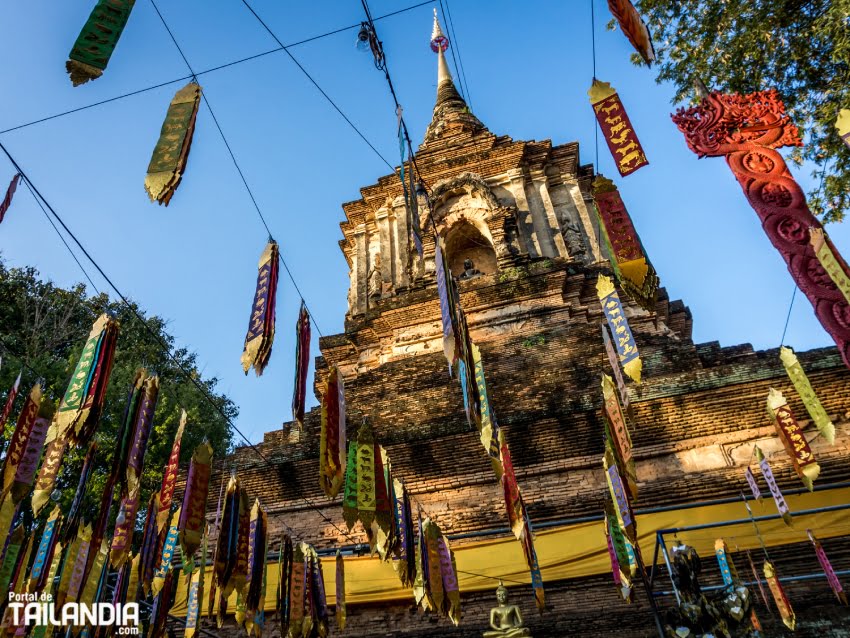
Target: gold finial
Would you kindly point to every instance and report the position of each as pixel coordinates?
(439, 42)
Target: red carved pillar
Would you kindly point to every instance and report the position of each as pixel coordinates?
(747, 130)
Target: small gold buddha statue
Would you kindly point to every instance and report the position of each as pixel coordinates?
(506, 620)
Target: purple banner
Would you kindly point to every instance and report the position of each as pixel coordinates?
(778, 498)
(32, 455)
(754, 486)
(620, 495)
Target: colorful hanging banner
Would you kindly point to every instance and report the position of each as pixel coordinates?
(614, 362)
(340, 593)
(831, 262)
(151, 548)
(193, 605)
(618, 552)
(527, 542)
(447, 314)
(726, 571)
(10, 400)
(627, 350)
(634, 28)
(168, 161)
(405, 559)
(24, 429)
(615, 422)
(631, 266)
(619, 496)
(807, 394)
(792, 438)
(167, 553)
(53, 457)
(415, 224)
(778, 498)
(29, 460)
(366, 500)
(302, 364)
(46, 548)
(332, 450)
(75, 512)
(257, 545)
(488, 427)
(828, 571)
(142, 432)
(751, 481)
(451, 588)
(842, 125)
(510, 488)
(4, 208)
(260, 336)
(72, 571)
(616, 128)
(169, 475)
(159, 611)
(125, 524)
(94, 46)
(14, 544)
(779, 597)
(240, 570)
(193, 511)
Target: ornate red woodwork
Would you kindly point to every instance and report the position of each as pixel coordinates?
(747, 130)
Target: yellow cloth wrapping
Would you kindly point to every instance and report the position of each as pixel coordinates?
(573, 551)
(807, 394)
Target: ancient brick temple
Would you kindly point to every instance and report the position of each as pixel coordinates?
(521, 212)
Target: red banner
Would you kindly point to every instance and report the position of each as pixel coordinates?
(634, 28)
(616, 128)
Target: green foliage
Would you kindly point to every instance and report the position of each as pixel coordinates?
(799, 47)
(530, 342)
(43, 329)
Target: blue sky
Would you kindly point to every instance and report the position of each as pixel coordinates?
(528, 67)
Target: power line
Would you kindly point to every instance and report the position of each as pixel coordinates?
(226, 65)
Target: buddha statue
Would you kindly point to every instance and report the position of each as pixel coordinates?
(469, 270)
(506, 620)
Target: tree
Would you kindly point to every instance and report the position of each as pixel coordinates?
(42, 331)
(799, 47)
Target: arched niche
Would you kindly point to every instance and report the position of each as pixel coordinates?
(464, 241)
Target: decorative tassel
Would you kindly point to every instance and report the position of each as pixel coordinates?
(332, 454)
(169, 475)
(627, 349)
(142, 432)
(807, 394)
(340, 592)
(192, 513)
(634, 28)
(632, 267)
(793, 439)
(79, 412)
(258, 341)
(778, 498)
(4, 208)
(779, 597)
(94, 46)
(616, 128)
(302, 364)
(168, 161)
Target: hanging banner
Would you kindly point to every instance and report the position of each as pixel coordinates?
(807, 394)
(793, 439)
(634, 28)
(296, 592)
(168, 161)
(513, 497)
(75, 512)
(53, 457)
(618, 494)
(614, 362)
(616, 128)
(627, 350)
(169, 475)
(828, 571)
(192, 520)
(46, 548)
(754, 486)
(831, 262)
(159, 611)
(618, 552)
(10, 398)
(72, 571)
(10, 559)
(451, 588)
(125, 524)
(167, 553)
(24, 430)
(340, 592)
(81, 406)
(29, 460)
(726, 571)
(747, 130)
(94, 46)
(489, 428)
(415, 224)
(405, 565)
(779, 597)
(631, 266)
(527, 542)
(447, 314)
(332, 451)
(260, 336)
(4, 208)
(142, 432)
(302, 364)
(193, 605)
(615, 421)
(240, 570)
(778, 498)
(366, 499)
(151, 549)
(842, 125)
(257, 540)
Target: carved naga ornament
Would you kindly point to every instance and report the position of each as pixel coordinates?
(747, 130)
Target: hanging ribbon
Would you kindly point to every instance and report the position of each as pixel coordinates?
(779, 597)
(451, 588)
(77, 553)
(257, 540)
(631, 266)
(240, 571)
(421, 587)
(151, 548)
(75, 511)
(618, 552)
(488, 427)
(319, 604)
(828, 571)
(340, 592)
(159, 611)
(614, 362)
(125, 523)
(168, 161)
(285, 560)
(193, 511)
(832, 263)
(26, 442)
(296, 592)
(332, 452)
(807, 394)
(94, 46)
(366, 475)
(435, 577)
(10, 398)
(169, 475)
(757, 579)
(527, 541)
(616, 128)
(142, 432)
(447, 314)
(53, 457)
(218, 529)
(618, 494)
(627, 350)
(228, 534)
(260, 336)
(634, 28)
(754, 486)
(302, 364)
(842, 125)
(124, 438)
(618, 433)
(778, 498)
(82, 404)
(349, 500)
(44, 553)
(510, 488)
(193, 604)
(168, 547)
(405, 563)
(104, 513)
(727, 571)
(94, 580)
(793, 439)
(4, 208)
